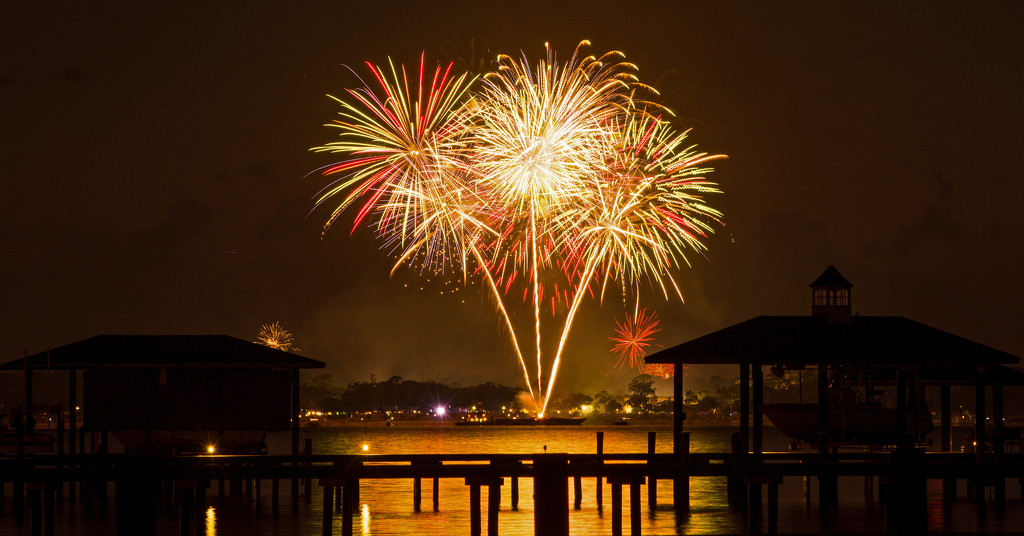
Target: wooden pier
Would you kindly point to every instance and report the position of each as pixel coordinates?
(39, 482)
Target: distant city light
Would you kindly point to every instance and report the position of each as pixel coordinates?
(210, 449)
(439, 410)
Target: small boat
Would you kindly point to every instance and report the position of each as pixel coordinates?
(526, 421)
(868, 424)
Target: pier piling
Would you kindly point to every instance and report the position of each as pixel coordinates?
(599, 489)
(634, 483)
(551, 495)
(652, 485)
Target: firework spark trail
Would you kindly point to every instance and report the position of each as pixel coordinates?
(557, 174)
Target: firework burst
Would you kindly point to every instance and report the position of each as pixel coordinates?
(632, 336)
(546, 181)
(275, 336)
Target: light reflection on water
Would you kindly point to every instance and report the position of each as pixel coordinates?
(388, 503)
(211, 522)
(386, 506)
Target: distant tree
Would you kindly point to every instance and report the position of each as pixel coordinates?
(320, 388)
(612, 406)
(602, 399)
(641, 389)
(573, 402)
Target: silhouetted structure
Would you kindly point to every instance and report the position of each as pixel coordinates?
(879, 350)
(163, 393)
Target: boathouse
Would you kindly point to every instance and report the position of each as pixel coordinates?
(167, 393)
(879, 351)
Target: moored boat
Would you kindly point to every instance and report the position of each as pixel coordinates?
(869, 424)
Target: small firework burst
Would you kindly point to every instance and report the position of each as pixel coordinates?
(632, 336)
(659, 370)
(275, 336)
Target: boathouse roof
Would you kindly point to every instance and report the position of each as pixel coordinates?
(831, 278)
(162, 351)
(870, 341)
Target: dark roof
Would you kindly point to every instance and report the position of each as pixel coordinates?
(831, 278)
(864, 341)
(162, 351)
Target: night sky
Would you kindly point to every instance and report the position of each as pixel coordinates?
(156, 172)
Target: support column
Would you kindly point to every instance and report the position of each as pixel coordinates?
(979, 418)
(744, 409)
(946, 421)
(295, 433)
(823, 409)
(327, 527)
(493, 504)
(599, 490)
(902, 436)
(417, 487)
(758, 400)
(652, 485)
(678, 416)
(998, 432)
(72, 410)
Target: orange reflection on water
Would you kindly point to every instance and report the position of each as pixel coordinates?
(211, 522)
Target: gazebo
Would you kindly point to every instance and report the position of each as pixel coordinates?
(886, 350)
(175, 385)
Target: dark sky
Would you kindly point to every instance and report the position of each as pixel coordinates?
(154, 164)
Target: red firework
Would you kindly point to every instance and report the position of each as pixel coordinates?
(660, 370)
(632, 336)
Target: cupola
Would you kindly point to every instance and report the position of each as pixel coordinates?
(830, 296)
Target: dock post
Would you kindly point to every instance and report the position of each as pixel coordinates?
(327, 527)
(437, 494)
(349, 503)
(681, 484)
(275, 495)
(474, 507)
(35, 508)
(616, 508)
(515, 491)
(417, 498)
(199, 520)
(493, 505)
(634, 505)
(907, 508)
(551, 495)
(755, 505)
(652, 484)
(599, 489)
(949, 490)
(49, 499)
(634, 483)
(186, 508)
(135, 500)
(577, 491)
(773, 505)
(308, 454)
